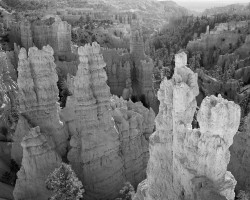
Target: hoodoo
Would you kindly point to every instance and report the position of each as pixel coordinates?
(39, 160)
(188, 163)
(38, 96)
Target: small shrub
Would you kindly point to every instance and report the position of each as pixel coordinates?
(242, 195)
(127, 192)
(64, 184)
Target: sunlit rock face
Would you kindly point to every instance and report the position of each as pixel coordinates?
(188, 163)
(39, 160)
(94, 154)
(240, 157)
(109, 135)
(38, 95)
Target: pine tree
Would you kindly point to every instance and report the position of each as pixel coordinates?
(64, 184)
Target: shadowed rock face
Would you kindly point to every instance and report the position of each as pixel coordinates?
(38, 95)
(109, 138)
(183, 159)
(240, 157)
(135, 124)
(130, 74)
(39, 160)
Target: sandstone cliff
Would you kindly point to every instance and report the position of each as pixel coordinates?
(38, 95)
(118, 69)
(39, 160)
(50, 30)
(109, 143)
(94, 152)
(224, 38)
(188, 163)
(240, 157)
(135, 124)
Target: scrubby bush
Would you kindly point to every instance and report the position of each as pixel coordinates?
(242, 195)
(127, 192)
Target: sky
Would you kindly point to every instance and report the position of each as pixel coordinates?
(211, 1)
(200, 5)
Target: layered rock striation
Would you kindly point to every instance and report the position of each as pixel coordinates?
(39, 160)
(38, 95)
(109, 138)
(50, 30)
(188, 163)
(94, 154)
(135, 124)
(130, 73)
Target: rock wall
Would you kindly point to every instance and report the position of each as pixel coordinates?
(6, 191)
(139, 83)
(5, 152)
(39, 160)
(224, 61)
(118, 69)
(229, 90)
(244, 50)
(52, 31)
(240, 157)
(38, 95)
(109, 143)
(94, 152)
(15, 33)
(26, 34)
(243, 75)
(135, 124)
(213, 45)
(63, 68)
(188, 163)
(143, 84)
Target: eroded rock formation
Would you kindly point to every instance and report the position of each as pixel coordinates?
(188, 163)
(50, 30)
(109, 143)
(224, 38)
(135, 124)
(94, 153)
(130, 74)
(38, 95)
(39, 160)
(240, 157)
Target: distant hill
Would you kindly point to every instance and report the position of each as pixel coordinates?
(229, 9)
(152, 12)
(23, 5)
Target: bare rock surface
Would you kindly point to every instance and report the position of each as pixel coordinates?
(38, 95)
(109, 137)
(94, 152)
(188, 163)
(6, 192)
(135, 124)
(240, 157)
(39, 160)
(5, 152)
